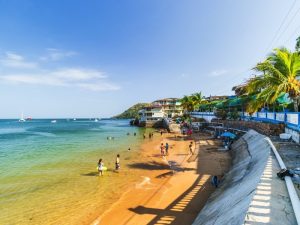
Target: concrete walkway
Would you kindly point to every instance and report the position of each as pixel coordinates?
(271, 203)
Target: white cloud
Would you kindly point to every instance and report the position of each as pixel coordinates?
(93, 80)
(217, 73)
(54, 54)
(78, 74)
(16, 61)
(99, 86)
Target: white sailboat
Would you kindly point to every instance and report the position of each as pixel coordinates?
(22, 118)
(96, 120)
(53, 121)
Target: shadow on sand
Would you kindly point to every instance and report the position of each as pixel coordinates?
(90, 174)
(180, 210)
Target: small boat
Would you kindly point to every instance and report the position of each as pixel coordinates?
(53, 121)
(22, 118)
(96, 120)
(74, 119)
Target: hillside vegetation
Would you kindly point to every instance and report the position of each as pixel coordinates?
(132, 112)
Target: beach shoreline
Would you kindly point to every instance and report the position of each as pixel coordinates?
(173, 194)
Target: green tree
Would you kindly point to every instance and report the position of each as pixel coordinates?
(187, 103)
(198, 100)
(277, 74)
(298, 45)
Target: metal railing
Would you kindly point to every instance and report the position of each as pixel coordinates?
(290, 119)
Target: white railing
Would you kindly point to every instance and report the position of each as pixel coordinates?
(271, 116)
(280, 116)
(291, 119)
(261, 115)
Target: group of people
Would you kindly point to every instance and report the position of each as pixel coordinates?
(150, 135)
(164, 149)
(101, 166)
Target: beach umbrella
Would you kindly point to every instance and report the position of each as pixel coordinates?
(228, 134)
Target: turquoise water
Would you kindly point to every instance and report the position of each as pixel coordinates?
(48, 170)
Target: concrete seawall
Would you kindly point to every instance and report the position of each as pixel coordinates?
(230, 202)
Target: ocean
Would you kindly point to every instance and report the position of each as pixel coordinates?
(48, 171)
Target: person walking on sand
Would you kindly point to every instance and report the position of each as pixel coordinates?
(161, 133)
(150, 135)
(100, 167)
(118, 162)
(191, 148)
(167, 148)
(162, 149)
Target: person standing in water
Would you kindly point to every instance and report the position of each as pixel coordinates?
(167, 148)
(100, 167)
(118, 162)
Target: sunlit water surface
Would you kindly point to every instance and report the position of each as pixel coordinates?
(48, 170)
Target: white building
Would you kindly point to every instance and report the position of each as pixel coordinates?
(152, 114)
(171, 106)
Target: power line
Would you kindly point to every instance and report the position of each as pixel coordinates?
(279, 28)
(292, 19)
(294, 32)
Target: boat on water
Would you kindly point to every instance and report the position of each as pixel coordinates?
(96, 120)
(53, 121)
(74, 119)
(22, 118)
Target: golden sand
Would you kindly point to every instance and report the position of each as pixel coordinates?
(164, 194)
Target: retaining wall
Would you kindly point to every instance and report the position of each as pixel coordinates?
(268, 129)
(230, 202)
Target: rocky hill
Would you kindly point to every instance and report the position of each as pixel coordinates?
(132, 112)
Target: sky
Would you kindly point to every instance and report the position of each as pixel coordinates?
(71, 58)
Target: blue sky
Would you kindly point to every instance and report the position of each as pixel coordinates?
(97, 58)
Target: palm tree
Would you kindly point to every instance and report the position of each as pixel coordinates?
(187, 103)
(198, 100)
(278, 74)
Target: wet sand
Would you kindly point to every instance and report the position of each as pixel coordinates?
(169, 194)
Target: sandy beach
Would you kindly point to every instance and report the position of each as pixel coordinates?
(169, 194)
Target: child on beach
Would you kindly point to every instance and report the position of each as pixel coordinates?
(100, 167)
(162, 149)
(118, 162)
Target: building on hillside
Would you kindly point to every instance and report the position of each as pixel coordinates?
(151, 115)
(171, 106)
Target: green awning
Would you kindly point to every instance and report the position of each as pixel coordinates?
(284, 98)
(235, 102)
